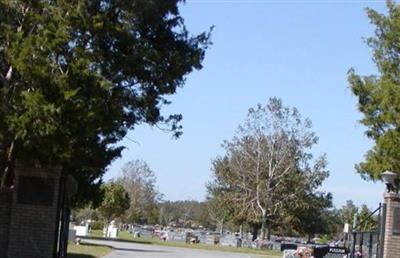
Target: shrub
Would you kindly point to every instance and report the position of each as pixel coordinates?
(97, 225)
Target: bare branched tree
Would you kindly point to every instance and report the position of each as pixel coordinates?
(268, 164)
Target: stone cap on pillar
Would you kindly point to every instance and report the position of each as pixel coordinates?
(391, 196)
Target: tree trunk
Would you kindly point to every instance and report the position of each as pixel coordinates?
(241, 231)
(64, 231)
(254, 232)
(263, 230)
(221, 230)
(263, 225)
(8, 166)
(269, 227)
(105, 230)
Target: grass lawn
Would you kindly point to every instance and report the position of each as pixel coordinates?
(87, 250)
(125, 236)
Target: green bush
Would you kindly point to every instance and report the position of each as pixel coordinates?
(97, 225)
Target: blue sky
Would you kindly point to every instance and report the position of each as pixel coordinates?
(299, 51)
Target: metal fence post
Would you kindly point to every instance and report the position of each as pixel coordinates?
(379, 231)
(370, 247)
(353, 248)
(382, 231)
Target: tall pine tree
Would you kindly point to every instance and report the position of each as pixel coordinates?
(75, 76)
(379, 95)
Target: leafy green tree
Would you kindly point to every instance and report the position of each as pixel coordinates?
(358, 217)
(367, 222)
(85, 213)
(139, 181)
(223, 195)
(115, 202)
(75, 76)
(167, 213)
(220, 212)
(348, 212)
(268, 164)
(379, 95)
(335, 223)
(202, 216)
(185, 213)
(313, 216)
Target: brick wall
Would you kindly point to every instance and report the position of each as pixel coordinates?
(391, 239)
(5, 209)
(32, 233)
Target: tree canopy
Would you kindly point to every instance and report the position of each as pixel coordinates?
(186, 213)
(268, 165)
(139, 181)
(379, 95)
(313, 216)
(115, 202)
(75, 76)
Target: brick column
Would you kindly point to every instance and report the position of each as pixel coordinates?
(34, 213)
(5, 216)
(391, 238)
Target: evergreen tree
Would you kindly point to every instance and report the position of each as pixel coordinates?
(367, 222)
(379, 95)
(75, 76)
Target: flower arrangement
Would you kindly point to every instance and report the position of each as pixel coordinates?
(304, 252)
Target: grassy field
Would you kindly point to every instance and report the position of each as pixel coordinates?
(125, 236)
(87, 250)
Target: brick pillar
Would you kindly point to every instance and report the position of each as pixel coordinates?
(34, 213)
(5, 216)
(391, 238)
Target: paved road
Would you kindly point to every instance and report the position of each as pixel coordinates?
(133, 250)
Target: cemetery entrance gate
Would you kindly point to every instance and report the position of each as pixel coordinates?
(367, 244)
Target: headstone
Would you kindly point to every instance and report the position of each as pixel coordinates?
(346, 228)
(289, 253)
(112, 230)
(72, 235)
(228, 240)
(81, 230)
(288, 246)
(177, 236)
(320, 251)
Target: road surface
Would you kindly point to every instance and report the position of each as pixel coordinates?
(133, 250)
